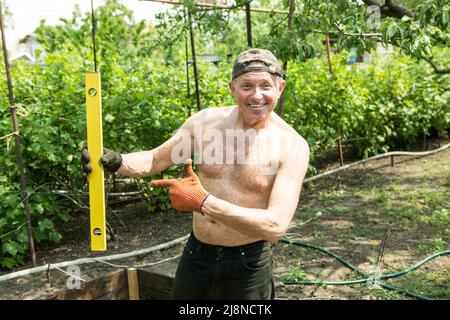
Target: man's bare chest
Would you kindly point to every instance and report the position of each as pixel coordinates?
(247, 160)
(253, 178)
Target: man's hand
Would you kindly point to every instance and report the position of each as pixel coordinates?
(186, 194)
(110, 160)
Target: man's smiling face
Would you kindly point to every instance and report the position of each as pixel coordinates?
(256, 94)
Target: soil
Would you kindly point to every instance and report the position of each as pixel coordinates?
(343, 234)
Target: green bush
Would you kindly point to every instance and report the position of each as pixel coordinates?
(383, 105)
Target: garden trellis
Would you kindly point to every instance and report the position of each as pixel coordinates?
(16, 134)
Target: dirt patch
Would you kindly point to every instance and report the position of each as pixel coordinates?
(348, 214)
(351, 216)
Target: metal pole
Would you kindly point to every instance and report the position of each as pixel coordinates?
(220, 6)
(12, 109)
(194, 62)
(285, 63)
(248, 19)
(93, 36)
(341, 155)
(187, 66)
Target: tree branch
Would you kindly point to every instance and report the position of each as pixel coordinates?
(390, 8)
(378, 38)
(371, 2)
(376, 35)
(435, 67)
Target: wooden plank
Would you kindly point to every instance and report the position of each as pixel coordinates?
(147, 293)
(94, 289)
(155, 280)
(120, 294)
(153, 285)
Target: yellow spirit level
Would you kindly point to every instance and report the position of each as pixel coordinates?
(95, 148)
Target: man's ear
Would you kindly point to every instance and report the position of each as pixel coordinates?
(281, 87)
(231, 86)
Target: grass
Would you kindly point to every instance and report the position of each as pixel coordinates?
(384, 294)
(296, 274)
(447, 180)
(319, 235)
(382, 197)
(432, 246)
(426, 283)
(339, 210)
(435, 199)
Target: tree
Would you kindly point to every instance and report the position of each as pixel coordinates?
(417, 29)
(391, 9)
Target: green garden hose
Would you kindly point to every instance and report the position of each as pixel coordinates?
(355, 269)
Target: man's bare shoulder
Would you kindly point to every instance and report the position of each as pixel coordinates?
(210, 115)
(283, 127)
(213, 113)
(292, 140)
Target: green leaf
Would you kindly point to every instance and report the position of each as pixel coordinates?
(52, 157)
(406, 18)
(445, 17)
(11, 247)
(11, 200)
(109, 118)
(64, 215)
(8, 262)
(391, 31)
(55, 236)
(22, 237)
(45, 224)
(39, 208)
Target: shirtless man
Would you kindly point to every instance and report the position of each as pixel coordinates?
(251, 167)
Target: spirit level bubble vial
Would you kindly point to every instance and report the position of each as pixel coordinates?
(95, 148)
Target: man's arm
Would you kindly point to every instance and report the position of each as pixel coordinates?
(147, 163)
(174, 151)
(269, 224)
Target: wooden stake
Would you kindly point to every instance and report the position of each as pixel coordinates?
(329, 53)
(341, 155)
(133, 283)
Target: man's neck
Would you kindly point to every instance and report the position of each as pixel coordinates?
(246, 123)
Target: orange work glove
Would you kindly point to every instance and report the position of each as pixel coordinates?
(186, 194)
